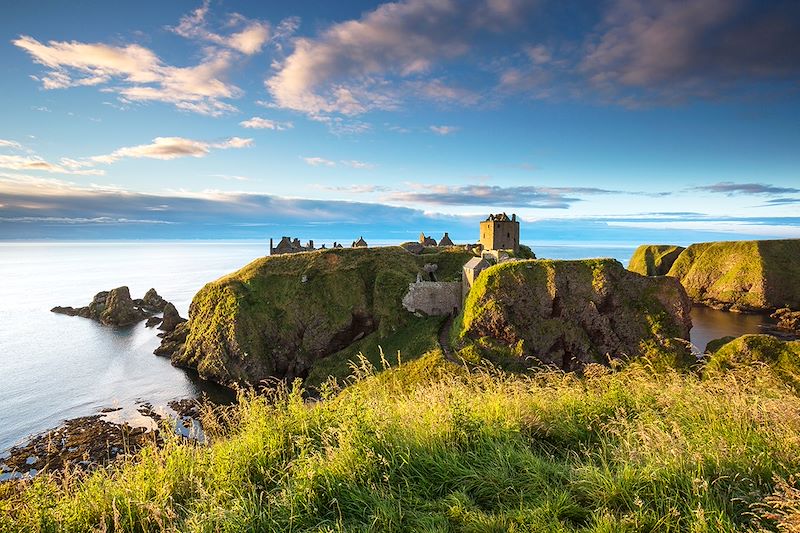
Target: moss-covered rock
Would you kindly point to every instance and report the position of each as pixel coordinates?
(741, 275)
(716, 344)
(571, 312)
(654, 259)
(279, 315)
(782, 356)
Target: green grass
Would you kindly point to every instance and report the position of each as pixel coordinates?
(748, 274)
(417, 337)
(654, 259)
(431, 446)
(749, 350)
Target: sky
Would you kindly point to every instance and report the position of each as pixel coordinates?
(609, 121)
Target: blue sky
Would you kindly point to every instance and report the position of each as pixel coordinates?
(612, 121)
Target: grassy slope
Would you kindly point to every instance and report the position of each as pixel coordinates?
(755, 274)
(654, 259)
(263, 320)
(430, 447)
(748, 350)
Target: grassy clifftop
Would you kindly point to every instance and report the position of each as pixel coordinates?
(742, 274)
(429, 446)
(571, 312)
(654, 259)
(279, 315)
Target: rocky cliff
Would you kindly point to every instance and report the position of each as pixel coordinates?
(278, 315)
(572, 312)
(654, 259)
(741, 275)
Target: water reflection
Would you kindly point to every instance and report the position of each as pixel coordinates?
(709, 324)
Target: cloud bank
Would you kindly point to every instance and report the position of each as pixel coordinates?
(136, 74)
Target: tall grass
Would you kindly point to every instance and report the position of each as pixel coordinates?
(430, 446)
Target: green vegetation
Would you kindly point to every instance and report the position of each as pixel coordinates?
(431, 446)
(749, 350)
(654, 259)
(569, 312)
(741, 274)
(418, 337)
(278, 316)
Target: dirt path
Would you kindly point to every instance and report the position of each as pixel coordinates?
(444, 339)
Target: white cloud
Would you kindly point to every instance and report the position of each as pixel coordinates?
(10, 144)
(352, 163)
(319, 162)
(166, 148)
(356, 189)
(34, 162)
(443, 130)
(266, 124)
(229, 177)
(721, 226)
(249, 40)
(347, 69)
(136, 73)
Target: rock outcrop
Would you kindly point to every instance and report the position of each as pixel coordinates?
(654, 259)
(278, 315)
(788, 320)
(112, 308)
(741, 275)
(171, 319)
(568, 313)
(154, 301)
(117, 308)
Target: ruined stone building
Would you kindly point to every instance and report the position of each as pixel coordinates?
(424, 240)
(470, 272)
(445, 241)
(360, 243)
(290, 246)
(499, 232)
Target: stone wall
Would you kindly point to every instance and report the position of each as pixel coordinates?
(434, 298)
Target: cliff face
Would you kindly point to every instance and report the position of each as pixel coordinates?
(278, 315)
(654, 259)
(572, 312)
(741, 275)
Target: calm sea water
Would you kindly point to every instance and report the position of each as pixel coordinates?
(54, 367)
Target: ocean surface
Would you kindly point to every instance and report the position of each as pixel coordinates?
(55, 367)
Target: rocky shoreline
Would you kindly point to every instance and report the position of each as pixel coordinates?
(86, 443)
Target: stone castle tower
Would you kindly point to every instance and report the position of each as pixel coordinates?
(498, 232)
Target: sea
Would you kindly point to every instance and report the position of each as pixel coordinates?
(56, 367)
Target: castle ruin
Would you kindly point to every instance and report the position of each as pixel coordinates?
(499, 232)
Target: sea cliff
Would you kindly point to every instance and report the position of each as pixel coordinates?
(278, 316)
(569, 313)
(737, 275)
(654, 259)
